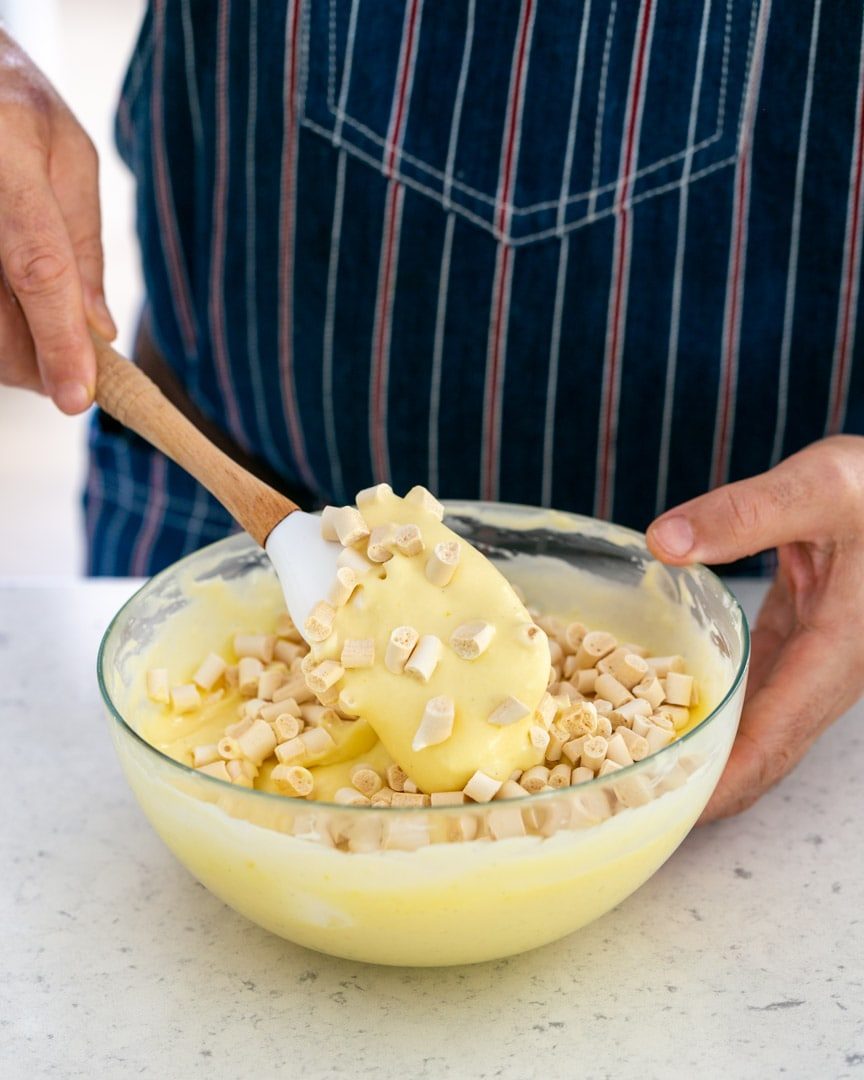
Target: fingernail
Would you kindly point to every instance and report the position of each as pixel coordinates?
(674, 534)
(72, 397)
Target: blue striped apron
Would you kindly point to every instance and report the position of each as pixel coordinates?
(601, 255)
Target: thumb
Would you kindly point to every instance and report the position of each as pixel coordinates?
(88, 254)
(805, 497)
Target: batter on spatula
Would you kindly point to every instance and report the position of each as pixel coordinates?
(426, 640)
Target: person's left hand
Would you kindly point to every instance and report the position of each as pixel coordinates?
(807, 661)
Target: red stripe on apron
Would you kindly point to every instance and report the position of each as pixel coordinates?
(386, 273)
(503, 266)
(620, 271)
(287, 201)
(217, 257)
(164, 197)
(851, 269)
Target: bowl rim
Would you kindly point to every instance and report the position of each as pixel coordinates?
(452, 507)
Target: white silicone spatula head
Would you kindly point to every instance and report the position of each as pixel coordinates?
(304, 561)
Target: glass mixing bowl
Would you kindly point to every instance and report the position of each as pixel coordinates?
(442, 885)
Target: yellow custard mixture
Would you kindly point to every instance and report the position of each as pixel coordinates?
(302, 870)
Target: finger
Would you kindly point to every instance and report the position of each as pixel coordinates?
(807, 689)
(805, 497)
(18, 366)
(74, 171)
(39, 264)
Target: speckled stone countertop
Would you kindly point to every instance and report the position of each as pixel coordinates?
(742, 957)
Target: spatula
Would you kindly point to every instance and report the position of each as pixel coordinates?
(304, 562)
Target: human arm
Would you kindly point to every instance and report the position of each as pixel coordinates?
(50, 239)
(807, 662)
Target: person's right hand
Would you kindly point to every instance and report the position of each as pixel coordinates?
(50, 239)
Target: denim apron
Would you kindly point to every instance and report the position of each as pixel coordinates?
(599, 255)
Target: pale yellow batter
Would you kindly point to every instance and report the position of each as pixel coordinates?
(445, 902)
(400, 593)
(390, 705)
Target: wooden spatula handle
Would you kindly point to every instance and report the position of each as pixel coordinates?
(128, 395)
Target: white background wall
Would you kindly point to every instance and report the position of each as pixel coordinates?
(83, 46)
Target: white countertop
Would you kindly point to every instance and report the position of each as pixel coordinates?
(742, 957)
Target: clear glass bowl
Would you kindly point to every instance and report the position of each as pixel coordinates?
(445, 885)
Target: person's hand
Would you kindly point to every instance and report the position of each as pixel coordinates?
(807, 665)
(50, 240)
